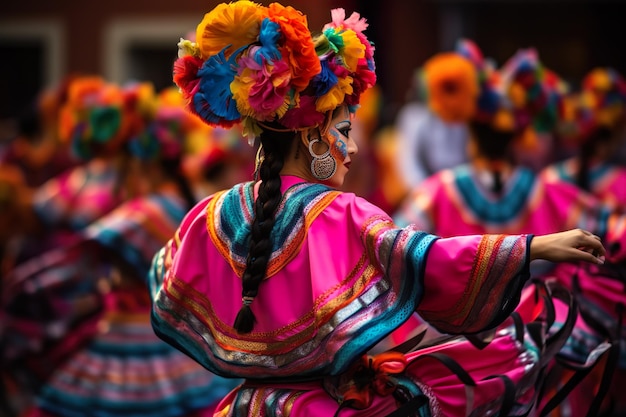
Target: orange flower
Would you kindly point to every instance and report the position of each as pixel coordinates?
(299, 45)
(83, 87)
(452, 86)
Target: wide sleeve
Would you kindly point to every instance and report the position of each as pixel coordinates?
(473, 283)
(464, 284)
(137, 229)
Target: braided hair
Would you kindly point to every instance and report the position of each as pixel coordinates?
(171, 166)
(275, 147)
(493, 145)
(587, 150)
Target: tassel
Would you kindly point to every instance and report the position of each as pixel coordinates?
(244, 322)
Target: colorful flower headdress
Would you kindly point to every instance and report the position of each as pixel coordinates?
(535, 93)
(254, 64)
(463, 86)
(92, 119)
(458, 84)
(166, 131)
(604, 94)
(601, 102)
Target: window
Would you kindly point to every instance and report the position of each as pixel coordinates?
(33, 58)
(144, 49)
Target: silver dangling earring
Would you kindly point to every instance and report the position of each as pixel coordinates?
(323, 166)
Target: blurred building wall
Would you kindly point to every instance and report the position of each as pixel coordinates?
(136, 38)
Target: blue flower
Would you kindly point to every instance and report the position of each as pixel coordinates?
(268, 36)
(325, 80)
(214, 100)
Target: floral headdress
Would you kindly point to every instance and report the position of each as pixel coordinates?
(600, 103)
(451, 87)
(253, 65)
(166, 131)
(604, 94)
(535, 93)
(458, 84)
(463, 86)
(92, 119)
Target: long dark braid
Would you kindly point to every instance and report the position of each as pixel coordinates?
(587, 150)
(584, 156)
(495, 146)
(172, 169)
(275, 147)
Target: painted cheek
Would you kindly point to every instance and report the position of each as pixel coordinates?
(339, 146)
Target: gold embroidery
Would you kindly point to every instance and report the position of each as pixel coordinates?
(257, 401)
(254, 342)
(286, 254)
(290, 401)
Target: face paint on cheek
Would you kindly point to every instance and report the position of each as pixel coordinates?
(338, 146)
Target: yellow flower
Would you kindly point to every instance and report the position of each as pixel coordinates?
(236, 24)
(353, 50)
(335, 96)
(240, 87)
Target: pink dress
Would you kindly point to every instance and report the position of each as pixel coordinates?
(456, 202)
(341, 277)
(113, 363)
(600, 299)
(607, 181)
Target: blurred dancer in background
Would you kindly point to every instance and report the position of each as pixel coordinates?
(96, 119)
(494, 194)
(429, 141)
(115, 364)
(594, 125)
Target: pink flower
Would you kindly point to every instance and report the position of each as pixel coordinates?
(356, 23)
(268, 92)
(304, 115)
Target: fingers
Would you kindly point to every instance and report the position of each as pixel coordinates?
(591, 257)
(592, 245)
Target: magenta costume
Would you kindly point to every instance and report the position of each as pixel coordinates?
(122, 367)
(455, 202)
(341, 277)
(607, 181)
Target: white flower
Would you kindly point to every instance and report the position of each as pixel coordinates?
(186, 48)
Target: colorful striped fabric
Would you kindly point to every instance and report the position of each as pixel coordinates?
(342, 278)
(124, 368)
(79, 196)
(606, 181)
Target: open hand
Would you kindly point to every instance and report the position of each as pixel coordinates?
(569, 246)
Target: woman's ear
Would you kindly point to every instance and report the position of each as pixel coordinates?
(306, 136)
